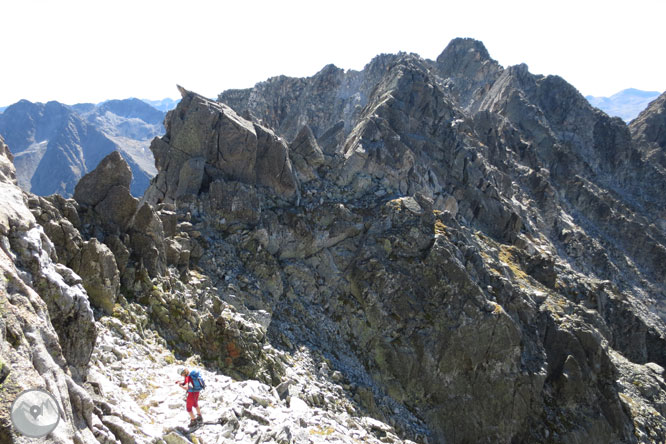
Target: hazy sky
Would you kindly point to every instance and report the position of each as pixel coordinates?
(92, 50)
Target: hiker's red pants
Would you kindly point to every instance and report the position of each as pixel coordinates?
(192, 400)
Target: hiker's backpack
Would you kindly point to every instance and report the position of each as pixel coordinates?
(198, 383)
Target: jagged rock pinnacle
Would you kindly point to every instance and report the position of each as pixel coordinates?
(93, 187)
(183, 91)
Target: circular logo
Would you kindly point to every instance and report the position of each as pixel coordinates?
(35, 413)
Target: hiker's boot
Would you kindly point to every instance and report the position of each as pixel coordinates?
(193, 423)
(199, 419)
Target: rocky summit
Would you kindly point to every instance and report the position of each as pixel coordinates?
(445, 251)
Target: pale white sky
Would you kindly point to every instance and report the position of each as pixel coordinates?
(93, 50)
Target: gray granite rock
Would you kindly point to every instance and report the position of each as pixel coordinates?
(95, 186)
(48, 331)
(207, 141)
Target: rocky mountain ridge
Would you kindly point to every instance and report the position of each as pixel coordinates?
(427, 251)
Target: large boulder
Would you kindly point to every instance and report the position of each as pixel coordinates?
(94, 187)
(207, 141)
(147, 241)
(96, 265)
(106, 191)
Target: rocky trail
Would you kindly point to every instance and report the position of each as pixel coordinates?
(134, 379)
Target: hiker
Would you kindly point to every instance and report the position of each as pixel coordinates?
(193, 384)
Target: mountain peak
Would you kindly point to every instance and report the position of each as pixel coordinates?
(464, 48)
(636, 92)
(133, 108)
(468, 69)
(330, 68)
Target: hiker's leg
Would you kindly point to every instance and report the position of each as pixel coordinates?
(191, 400)
(195, 402)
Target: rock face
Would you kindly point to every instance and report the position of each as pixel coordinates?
(436, 151)
(649, 129)
(468, 70)
(648, 132)
(330, 97)
(446, 251)
(32, 254)
(55, 145)
(207, 142)
(111, 172)
(47, 329)
(470, 232)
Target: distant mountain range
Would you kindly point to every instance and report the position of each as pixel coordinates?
(163, 105)
(54, 144)
(626, 104)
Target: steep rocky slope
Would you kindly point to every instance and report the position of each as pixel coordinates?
(649, 133)
(526, 175)
(428, 251)
(55, 144)
(47, 330)
(113, 374)
(328, 102)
